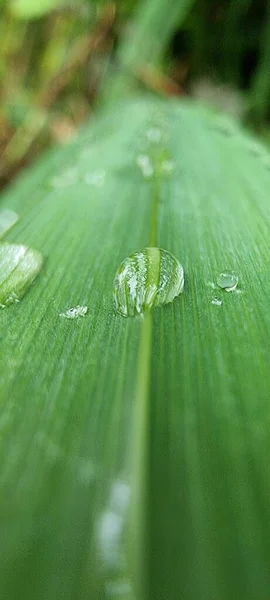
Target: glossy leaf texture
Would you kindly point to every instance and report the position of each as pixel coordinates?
(134, 452)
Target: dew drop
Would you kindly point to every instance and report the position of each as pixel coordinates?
(145, 279)
(74, 312)
(95, 178)
(19, 266)
(216, 302)
(8, 218)
(227, 281)
(145, 165)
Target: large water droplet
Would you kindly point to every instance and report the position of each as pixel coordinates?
(227, 281)
(74, 312)
(19, 266)
(8, 218)
(145, 279)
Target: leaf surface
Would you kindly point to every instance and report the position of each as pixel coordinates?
(135, 452)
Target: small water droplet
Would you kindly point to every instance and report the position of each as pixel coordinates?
(8, 218)
(145, 279)
(216, 302)
(66, 178)
(96, 178)
(145, 165)
(154, 135)
(19, 266)
(228, 281)
(74, 312)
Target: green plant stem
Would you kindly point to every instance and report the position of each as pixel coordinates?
(151, 33)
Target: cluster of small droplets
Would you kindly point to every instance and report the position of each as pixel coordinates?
(74, 312)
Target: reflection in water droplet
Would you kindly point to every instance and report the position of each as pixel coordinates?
(19, 266)
(145, 165)
(74, 312)
(154, 135)
(216, 302)
(96, 178)
(145, 279)
(66, 178)
(8, 218)
(227, 281)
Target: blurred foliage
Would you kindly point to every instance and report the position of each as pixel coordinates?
(56, 54)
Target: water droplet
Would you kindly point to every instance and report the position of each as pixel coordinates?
(8, 218)
(227, 281)
(216, 302)
(96, 178)
(144, 163)
(74, 312)
(19, 266)
(154, 135)
(145, 279)
(66, 178)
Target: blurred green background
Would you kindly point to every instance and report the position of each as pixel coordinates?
(55, 56)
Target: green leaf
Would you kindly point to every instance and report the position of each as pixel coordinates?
(31, 9)
(145, 44)
(135, 452)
